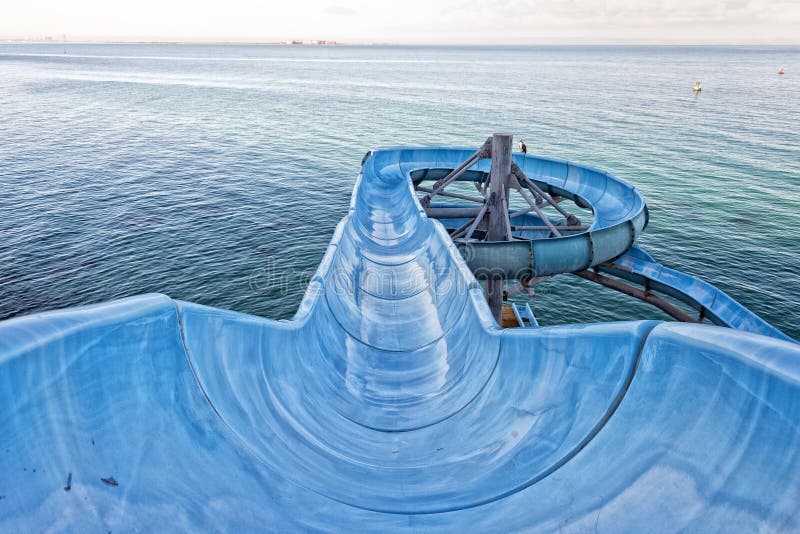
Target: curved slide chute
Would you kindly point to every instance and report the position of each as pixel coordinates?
(391, 400)
(638, 266)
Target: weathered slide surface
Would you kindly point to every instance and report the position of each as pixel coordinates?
(391, 401)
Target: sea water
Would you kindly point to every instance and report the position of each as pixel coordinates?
(217, 174)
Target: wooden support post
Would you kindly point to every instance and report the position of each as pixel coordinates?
(498, 214)
(499, 177)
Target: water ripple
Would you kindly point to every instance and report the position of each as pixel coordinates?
(218, 174)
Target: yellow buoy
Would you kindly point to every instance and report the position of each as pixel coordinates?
(697, 87)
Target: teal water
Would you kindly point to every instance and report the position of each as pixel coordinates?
(217, 174)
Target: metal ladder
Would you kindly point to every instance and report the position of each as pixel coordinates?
(524, 315)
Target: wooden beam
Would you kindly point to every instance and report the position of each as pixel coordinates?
(452, 213)
(571, 219)
(452, 195)
(447, 180)
(520, 212)
(668, 308)
(506, 218)
(460, 230)
(477, 221)
(567, 228)
(532, 203)
(483, 152)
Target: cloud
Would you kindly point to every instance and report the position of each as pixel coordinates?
(339, 10)
(625, 12)
(413, 21)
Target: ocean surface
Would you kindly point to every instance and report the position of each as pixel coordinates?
(216, 174)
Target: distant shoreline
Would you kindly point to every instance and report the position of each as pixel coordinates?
(294, 42)
(398, 45)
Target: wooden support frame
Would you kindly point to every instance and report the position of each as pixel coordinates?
(530, 184)
(646, 296)
(532, 203)
(439, 185)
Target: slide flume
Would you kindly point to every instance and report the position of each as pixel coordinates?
(638, 266)
(392, 400)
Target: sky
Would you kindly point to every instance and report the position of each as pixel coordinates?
(409, 21)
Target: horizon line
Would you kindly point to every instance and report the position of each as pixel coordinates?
(334, 43)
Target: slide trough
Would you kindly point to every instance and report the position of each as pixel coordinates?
(393, 401)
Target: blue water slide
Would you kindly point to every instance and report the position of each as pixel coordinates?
(638, 266)
(391, 401)
(620, 216)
